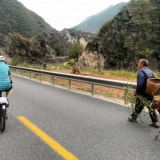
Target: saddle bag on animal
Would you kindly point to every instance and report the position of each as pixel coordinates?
(153, 86)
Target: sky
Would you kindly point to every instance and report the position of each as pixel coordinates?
(62, 14)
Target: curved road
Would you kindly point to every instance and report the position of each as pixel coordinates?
(49, 123)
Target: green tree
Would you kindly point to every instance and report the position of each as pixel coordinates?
(75, 51)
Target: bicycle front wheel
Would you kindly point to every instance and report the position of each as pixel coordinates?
(2, 120)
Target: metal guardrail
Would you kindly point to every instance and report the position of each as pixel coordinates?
(122, 85)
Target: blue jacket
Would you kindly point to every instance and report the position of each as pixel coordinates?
(142, 76)
(4, 76)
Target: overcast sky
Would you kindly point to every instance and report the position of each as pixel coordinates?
(62, 14)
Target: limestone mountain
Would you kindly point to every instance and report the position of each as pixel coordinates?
(133, 34)
(94, 23)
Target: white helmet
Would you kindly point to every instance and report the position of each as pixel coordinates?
(2, 58)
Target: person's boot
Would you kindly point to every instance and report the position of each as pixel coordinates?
(155, 125)
(131, 119)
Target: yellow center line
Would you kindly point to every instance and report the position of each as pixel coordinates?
(47, 139)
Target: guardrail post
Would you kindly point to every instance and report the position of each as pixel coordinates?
(40, 77)
(92, 89)
(125, 96)
(70, 84)
(30, 75)
(53, 79)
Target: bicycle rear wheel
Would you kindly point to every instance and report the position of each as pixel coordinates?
(2, 120)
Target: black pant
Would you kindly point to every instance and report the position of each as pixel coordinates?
(138, 109)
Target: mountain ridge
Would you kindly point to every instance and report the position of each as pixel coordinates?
(93, 23)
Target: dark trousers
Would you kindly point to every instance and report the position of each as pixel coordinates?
(138, 109)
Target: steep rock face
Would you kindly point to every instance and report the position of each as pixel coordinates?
(83, 42)
(68, 37)
(75, 36)
(91, 59)
(133, 34)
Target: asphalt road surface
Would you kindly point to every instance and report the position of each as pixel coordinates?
(50, 123)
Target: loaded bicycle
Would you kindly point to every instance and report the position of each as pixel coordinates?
(3, 112)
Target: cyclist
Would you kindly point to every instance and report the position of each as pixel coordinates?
(5, 78)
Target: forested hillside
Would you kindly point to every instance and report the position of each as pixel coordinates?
(93, 23)
(14, 17)
(43, 48)
(134, 33)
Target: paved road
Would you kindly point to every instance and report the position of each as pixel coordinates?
(87, 127)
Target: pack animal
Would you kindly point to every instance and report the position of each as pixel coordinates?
(156, 105)
(76, 70)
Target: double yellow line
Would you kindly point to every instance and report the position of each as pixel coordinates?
(47, 139)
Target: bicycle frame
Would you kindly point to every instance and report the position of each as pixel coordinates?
(3, 110)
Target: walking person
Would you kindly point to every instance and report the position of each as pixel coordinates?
(143, 74)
